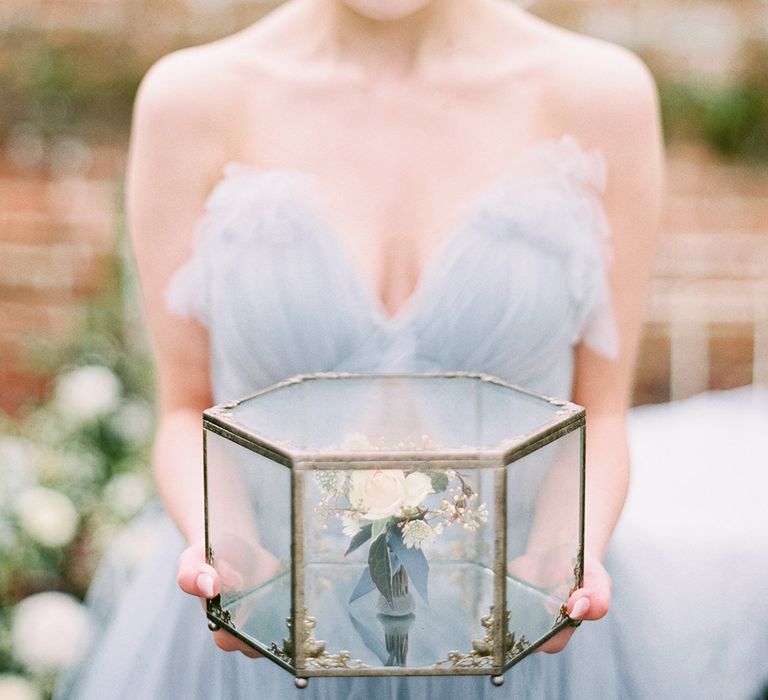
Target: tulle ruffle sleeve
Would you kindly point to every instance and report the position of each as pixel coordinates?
(248, 207)
(551, 199)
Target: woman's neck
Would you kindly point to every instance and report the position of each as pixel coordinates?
(396, 46)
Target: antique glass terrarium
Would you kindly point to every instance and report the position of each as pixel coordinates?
(394, 524)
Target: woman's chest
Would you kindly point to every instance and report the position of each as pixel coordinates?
(506, 291)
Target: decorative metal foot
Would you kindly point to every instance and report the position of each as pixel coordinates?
(301, 683)
(497, 680)
(213, 626)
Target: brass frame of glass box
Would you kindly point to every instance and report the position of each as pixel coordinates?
(217, 419)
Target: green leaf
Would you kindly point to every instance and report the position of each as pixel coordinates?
(364, 585)
(363, 536)
(379, 527)
(439, 481)
(413, 560)
(381, 567)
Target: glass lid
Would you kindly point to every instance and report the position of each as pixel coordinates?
(354, 413)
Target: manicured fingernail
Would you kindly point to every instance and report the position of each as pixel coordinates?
(205, 584)
(580, 608)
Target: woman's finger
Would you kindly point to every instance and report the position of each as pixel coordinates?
(195, 576)
(228, 642)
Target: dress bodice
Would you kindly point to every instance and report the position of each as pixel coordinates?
(520, 281)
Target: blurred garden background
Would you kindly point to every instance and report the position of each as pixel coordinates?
(76, 413)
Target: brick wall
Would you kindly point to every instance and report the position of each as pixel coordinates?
(707, 320)
(57, 242)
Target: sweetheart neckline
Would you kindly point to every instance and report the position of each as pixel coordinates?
(468, 208)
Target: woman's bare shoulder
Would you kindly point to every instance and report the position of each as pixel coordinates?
(189, 85)
(602, 91)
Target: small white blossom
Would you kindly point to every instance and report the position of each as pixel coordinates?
(350, 524)
(13, 687)
(331, 481)
(50, 631)
(417, 533)
(48, 516)
(86, 393)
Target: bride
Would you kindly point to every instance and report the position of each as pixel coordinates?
(382, 185)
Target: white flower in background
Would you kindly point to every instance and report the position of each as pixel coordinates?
(48, 516)
(377, 493)
(8, 539)
(126, 493)
(417, 486)
(68, 465)
(87, 392)
(14, 687)
(350, 524)
(17, 463)
(417, 533)
(50, 631)
(133, 421)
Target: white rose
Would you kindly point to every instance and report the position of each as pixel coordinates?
(417, 486)
(377, 493)
(47, 516)
(87, 392)
(50, 631)
(14, 687)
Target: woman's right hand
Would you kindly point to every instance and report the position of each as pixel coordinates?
(198, 578)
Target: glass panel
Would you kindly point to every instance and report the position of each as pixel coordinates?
(543, 500)
(249, 534)
(393, 413)
(421, 535)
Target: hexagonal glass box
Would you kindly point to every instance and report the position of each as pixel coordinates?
(394, 524)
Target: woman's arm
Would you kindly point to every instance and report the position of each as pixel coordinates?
(176, 153)
(629, 134)
(611, 103)
(166, 185)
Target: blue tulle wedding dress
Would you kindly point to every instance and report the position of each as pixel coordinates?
(519, 282)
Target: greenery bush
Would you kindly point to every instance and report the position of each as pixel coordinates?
(75, 471)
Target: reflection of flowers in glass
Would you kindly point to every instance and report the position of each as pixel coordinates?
(50, 631)
(13, 687)
(47, 516)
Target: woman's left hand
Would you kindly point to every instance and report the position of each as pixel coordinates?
(590, 602)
